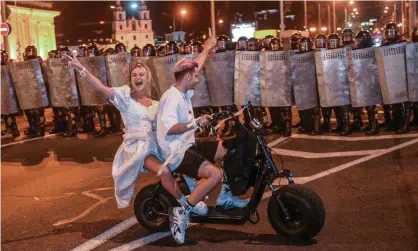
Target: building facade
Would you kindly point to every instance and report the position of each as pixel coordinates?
(31, 24)
(135, 31)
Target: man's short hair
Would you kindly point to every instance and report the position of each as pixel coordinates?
(183, 67)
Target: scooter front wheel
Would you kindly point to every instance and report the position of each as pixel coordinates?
(305, 208)
(149, 210)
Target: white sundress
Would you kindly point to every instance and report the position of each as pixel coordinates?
(139, 141)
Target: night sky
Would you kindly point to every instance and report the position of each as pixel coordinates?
(198, 16)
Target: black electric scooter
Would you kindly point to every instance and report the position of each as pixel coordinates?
(294, 211)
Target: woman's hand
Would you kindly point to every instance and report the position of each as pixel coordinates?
(74, 62)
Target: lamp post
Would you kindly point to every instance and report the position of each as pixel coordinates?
(183, 13)
(174, 20)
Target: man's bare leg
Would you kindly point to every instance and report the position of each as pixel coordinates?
(212, 176)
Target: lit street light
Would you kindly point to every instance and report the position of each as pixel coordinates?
(112, 6)
(183, 12)
(221, 21)
(101, 22)
(356, 12)
(323, 28)
(313, 29)
(386, 8)
(351, 2)
(355, 9)
(385, 11)
(134, 6)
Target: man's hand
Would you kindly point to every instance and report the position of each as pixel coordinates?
(204, 119)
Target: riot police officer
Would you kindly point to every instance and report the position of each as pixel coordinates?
(186, 47)
(401, 112)
(148, 50)
(242, 43)
(363, 39)
(310, 118)
(414, 105)
(35, 116)
(348, 41)
(266, 42)
(342, 113)
(9, 118)
(196, 46)
(171, 48)
(135, 51)
(294, 41)
(86, 112)
(93, 51)
(320, 42)
(277, 118)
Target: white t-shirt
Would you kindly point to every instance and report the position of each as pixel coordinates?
(175, 107)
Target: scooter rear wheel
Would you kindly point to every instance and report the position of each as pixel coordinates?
(306, 209)
(146, 208)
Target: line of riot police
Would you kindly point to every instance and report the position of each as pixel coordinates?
(327, 74)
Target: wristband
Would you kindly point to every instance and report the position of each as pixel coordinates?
(192, 125)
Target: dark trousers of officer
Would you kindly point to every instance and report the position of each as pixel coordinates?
(373, 127)
(281, 118)
(310, 120)
(342, 115)
(400, 119)
(11, 126)
(101, 113)
(59, 120)
(70, 113)
(36, 120)
(87, 115)
(115, 118)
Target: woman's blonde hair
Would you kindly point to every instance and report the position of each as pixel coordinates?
(150, 80)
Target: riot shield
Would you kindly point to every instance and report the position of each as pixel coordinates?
(364, 78)
(392, 73)
(275, 84)
(90, 96)
(117, 69)
(304, 80)
(29, 84)
(8, 94)
(219, 70)
(62, 84)
(201, 96)
(412, 71)
(155, 90)
(247, 78)
(164, 71)
(332, 77)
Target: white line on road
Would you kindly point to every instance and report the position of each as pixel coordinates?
(361, 138)
(310, 155)
(27, 140)
(102, 238)
(277, 141)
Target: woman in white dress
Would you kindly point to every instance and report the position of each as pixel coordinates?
(139, 151)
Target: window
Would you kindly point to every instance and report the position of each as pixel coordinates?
(146, 26)
(121, 37)
(120, 16)
(134, 37)
(133, 26)
(146, 36)
(120, 27)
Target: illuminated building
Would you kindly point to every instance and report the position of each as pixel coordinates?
(133, 31)
(32, 23)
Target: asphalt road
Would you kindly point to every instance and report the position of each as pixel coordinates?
(57, 194)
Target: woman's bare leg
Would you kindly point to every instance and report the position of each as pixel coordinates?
(152, 164)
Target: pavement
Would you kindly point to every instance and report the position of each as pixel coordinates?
(57, 194)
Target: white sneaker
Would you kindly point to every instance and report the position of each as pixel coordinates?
(178, 223)
(228, 201)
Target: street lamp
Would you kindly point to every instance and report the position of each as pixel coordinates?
(351, 2)
(134, 6)
(112, 6)
(385, 11)
(183, 13)
(323, 28)
(221, 21)
(355, 9)
(356, 12)
(312, 29)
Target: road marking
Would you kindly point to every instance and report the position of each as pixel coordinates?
(277, 141)
(100, 199)
(349, 138)
(146, 240)
(310, 155)
(110, 233)
(28, 140)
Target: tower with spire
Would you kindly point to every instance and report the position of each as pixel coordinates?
(135, 31)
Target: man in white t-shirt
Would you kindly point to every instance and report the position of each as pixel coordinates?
(175, 124)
